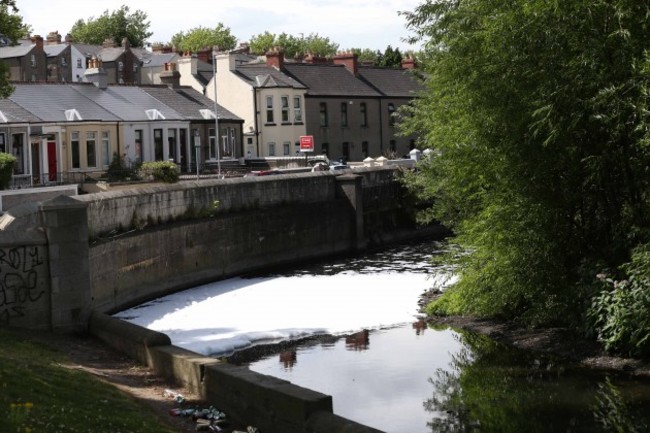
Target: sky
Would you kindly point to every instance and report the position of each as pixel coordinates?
(373, 24)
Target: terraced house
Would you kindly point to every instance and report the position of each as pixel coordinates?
(67, 132)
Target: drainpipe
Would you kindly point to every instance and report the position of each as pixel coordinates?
(257, 131)
(381, 129)
(119, 154)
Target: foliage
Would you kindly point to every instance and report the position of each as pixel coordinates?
(162, 171)
(118, 170)
(366, 55)
(293, 46)
(7, 164)
(538, 113)
(13, 28)
(39, 394)
(391, 58)
(115, 26)
(200, 38)
(620, 313)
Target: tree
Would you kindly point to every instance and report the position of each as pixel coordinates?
(292, 45)
(539, 115)
(366, 55)
(391, 58)
(200, 38)
(115, 26)
(12, 28)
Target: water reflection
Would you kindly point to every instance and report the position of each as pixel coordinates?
(359, 341)
(489, 388)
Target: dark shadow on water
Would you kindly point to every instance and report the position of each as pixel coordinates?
(491, 388)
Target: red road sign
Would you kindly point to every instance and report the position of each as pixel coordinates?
(306, 143)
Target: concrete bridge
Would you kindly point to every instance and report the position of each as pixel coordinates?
(69, 262)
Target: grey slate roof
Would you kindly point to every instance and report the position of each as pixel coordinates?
(15, 51)
(262, 75)
(397, 83)
(50, 101)
(54, 50)
(157, 60)
(126, 102)
(88, 50)
(110, 54)
(329, 80)
(14, 113)
(204, 72)
(187, 101)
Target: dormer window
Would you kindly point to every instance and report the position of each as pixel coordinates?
(154, 114)
(207, 114)
(72, 115)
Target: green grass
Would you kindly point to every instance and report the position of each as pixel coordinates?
(39, 395)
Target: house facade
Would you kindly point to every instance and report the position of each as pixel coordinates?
(270, 102)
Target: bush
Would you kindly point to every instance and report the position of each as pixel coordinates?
(7, 163)
(119, 171)
(162, 171)
(620, 314)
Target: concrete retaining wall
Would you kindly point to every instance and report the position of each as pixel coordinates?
(269, 403)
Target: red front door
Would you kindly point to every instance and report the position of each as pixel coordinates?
(51, 160)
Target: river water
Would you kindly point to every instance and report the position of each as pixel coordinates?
(348, 328)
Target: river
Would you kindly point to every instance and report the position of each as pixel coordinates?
(349, 328)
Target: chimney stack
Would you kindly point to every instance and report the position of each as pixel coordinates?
(38, 41)
(170, 76)
(349, 60)
(96, 74)
(53, 38)
(408, 63)
(275, 58)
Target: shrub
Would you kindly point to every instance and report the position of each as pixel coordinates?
(118, 169)
(162, 171)
(620, 313)
(7, 163)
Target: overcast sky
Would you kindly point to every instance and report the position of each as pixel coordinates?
(372, 24)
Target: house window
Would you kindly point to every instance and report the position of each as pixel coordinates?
(74, 146)
(345, 151)
(269, 109)
(158, 144)
(171, 143)
(3, 146)
(32, 60)
(363, 111)
(91, 149)
(393, 146)
(391, 114)
(63, 62)
(297, 110)
(285, 109)
(106, 148)
(17, 142)
(286, 148)
(135, 67)
(325, 149)
(139, 149)
(233, 142)
(364, 149)
(271, 149)
(120, 66)
(344, 114)
(323, 114)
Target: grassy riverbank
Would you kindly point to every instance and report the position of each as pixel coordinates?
(42, 393)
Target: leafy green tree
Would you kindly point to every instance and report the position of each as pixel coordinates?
(7, 164)
(260, 44)
(366, 55)
(292, 45)
(200, 38)
(12, 28)
(539, 115)
(392, 58)
(115, 25)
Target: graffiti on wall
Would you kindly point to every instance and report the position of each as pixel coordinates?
(19, 273)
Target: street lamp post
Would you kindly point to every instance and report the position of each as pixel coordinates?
(216, 114)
